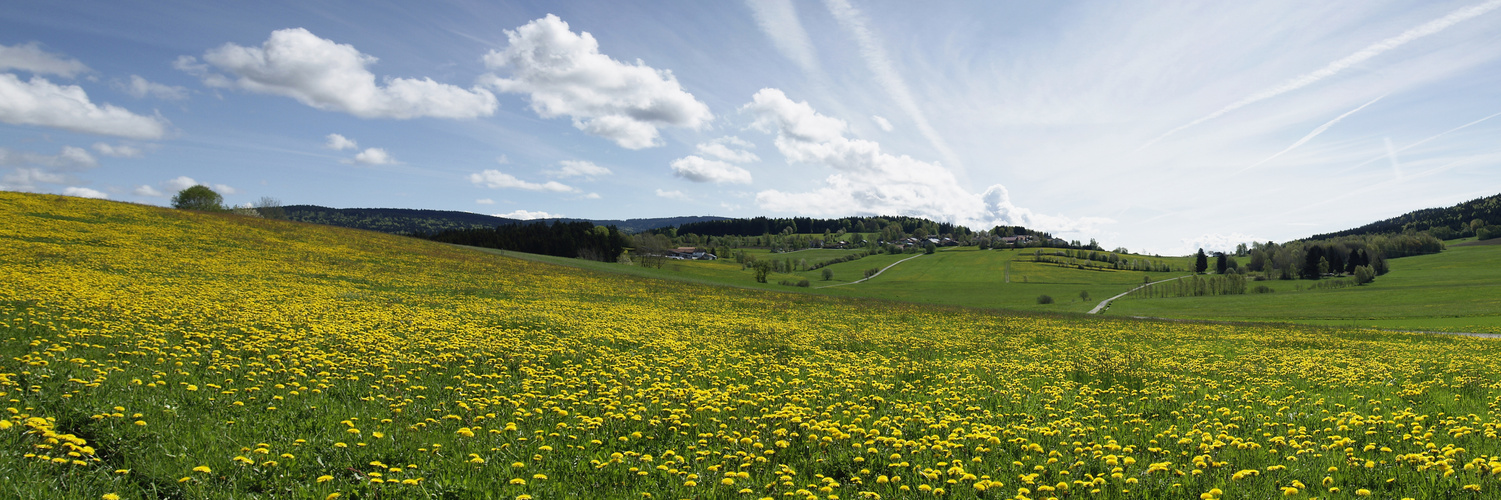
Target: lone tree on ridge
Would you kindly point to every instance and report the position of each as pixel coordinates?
(198, 197)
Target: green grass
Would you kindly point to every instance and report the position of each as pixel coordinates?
(1456, 290)
(960, 276)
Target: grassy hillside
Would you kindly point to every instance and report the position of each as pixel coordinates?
(1457, 290)
(151, 353)
(959, 276)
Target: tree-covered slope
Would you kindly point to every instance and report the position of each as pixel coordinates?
(1456, 221)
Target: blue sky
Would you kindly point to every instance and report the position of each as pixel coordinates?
(1160, 127)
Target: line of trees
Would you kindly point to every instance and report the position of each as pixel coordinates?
(562, 239)
(1194, 286)
(1095, 259)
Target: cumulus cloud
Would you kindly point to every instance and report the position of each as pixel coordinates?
(870, 181)
(31, 58)
(1214, 242)
(69, 159)
(372, 156)
(170, 187)
(563, 73)
(576, 168)
(673, 195)
(141, 88)
(331, 76)
(41, 102)
(729, 148)
(338, 142)
(529, 215)
(83, 192)
(26, 179)
(497, 179)
(882, 122)
(179, 183)
(120, 151)
(699, 169)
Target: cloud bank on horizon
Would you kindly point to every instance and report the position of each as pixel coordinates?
(1241, 123)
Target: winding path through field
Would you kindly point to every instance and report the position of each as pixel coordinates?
(1106, 303)
(878, 273)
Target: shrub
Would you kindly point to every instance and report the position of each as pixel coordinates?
(1262, 289)
(803, 283)
(1487, 232)
(1364, 274)
(872, 271)
(828, 274)
(1044, 299)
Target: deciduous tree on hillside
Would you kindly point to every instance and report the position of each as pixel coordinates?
(198, 197)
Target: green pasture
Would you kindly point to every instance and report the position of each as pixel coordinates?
(1456, 290)
(961, 276)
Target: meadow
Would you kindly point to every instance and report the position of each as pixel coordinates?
(153, 353)
(1458, 289)
(1006, 279)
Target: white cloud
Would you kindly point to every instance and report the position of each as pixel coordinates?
(179, 183)
(592, 196)
(141, 88)
(83, 192)
(372, 156)
(31, 58)
(485, 201)
(40, 102)
(673, 195)
(333, 77)
(698, 169)
(529, 215)
(564, 73)
(882, 122)
(498, 179)
(778, 20)
(576, 168)
(720, 148)
(172, 186)
(69, 159)
(1213, 242)
(121, 151)
(869, 181)
(338, 142)
(26, 179)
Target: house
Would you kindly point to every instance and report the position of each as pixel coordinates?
(689, 253)
(1016, 240)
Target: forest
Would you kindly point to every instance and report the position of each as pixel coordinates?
(580, 239)
(1480, 217)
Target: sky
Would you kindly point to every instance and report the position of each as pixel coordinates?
(1160, 127)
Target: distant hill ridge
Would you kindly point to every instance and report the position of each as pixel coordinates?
(1455, 221)
(414, 221)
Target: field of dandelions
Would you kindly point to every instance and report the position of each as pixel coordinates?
(152, 353)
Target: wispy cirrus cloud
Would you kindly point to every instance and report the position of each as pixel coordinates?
(1429, 28)
(890, 78)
